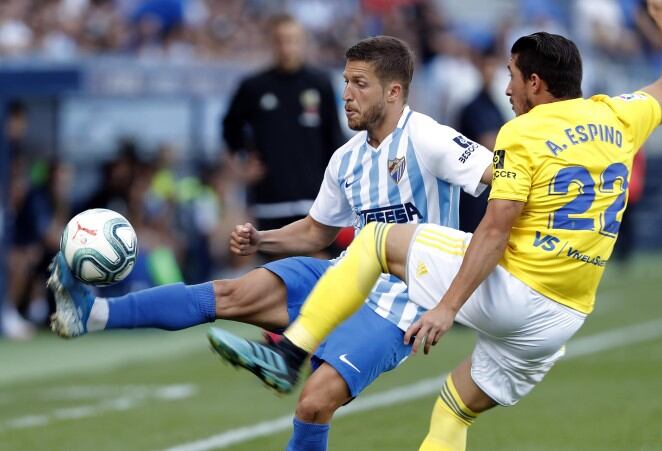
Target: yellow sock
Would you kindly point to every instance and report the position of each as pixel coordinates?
(343, 288)
(449, 422)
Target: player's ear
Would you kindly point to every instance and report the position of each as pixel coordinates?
(394, 91)
(537, 84)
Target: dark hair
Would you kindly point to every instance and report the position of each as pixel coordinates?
(279, 19)
(391, 58)
(555, 59)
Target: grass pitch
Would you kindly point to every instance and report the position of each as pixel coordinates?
(159, 390)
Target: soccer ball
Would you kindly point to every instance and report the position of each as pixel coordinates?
(100, 246)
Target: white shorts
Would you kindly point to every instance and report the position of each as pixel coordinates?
(521, 333)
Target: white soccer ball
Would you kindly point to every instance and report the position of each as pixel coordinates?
(100, 246)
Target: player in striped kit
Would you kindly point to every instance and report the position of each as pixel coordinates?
(402, 167)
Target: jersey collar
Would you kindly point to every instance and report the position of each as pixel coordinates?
(406, 114)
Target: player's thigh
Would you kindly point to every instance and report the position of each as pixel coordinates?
(398, 241)
(362, 348)
(270, 296)
(259, 297)
(434, 258)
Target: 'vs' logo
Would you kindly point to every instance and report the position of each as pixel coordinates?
(546, 243)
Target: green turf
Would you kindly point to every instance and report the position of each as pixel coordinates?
(154, 390)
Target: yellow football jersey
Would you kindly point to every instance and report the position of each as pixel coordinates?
(570, 162)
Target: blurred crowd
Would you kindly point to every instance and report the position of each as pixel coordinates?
(172, 29)
(211, 29)
(183, 220)
(183, 211)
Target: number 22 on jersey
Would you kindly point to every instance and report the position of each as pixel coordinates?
(572, 216)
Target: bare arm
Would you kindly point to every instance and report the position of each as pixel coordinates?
(302, 237)
(655, 10)
(483, 254)
(486, 178)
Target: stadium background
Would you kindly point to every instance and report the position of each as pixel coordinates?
(121, 99)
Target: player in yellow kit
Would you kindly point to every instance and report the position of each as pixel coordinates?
(527, 278)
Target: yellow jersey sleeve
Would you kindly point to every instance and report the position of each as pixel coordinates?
(638, 111)
(512, 169)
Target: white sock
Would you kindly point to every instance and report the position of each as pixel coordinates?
(98, 315)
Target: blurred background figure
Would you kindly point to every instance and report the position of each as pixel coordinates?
(627, 233)
(280, 122)
(15, 188)
(480, 121)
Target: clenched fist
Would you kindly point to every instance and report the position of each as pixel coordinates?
(245, 239)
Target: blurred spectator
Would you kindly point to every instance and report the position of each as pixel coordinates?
(14, 326)
(480, 121)
(16, 37)
(39, 222)
(427, 19)
(14, 194)
(626, 233)
(645, 29)
(602, 25)
(452, 78)
(284, 121)
(481, 118)
(39, 210)
(117, 180)
(536, 16)
(217, 210)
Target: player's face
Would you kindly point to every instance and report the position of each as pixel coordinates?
(364, 96)
(289, 41)
(518, 89)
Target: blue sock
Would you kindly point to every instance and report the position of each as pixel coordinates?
(308, 437)
(170, 307)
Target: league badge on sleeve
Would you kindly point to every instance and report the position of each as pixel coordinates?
(499, 159)
(629, 97)
(467, 146)
(464, 142)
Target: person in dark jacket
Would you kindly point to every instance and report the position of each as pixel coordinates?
(284, 119)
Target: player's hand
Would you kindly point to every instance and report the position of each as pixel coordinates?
(245, 239)
(429, 329)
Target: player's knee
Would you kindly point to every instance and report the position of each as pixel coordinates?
(258, 297)
(322, 395)
(231, 299)
(316, 407)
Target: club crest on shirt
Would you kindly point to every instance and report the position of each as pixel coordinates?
(396, 167)
(310, 105)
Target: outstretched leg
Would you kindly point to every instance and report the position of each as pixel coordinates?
(259, 298)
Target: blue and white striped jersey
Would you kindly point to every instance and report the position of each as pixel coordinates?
(414, 176)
